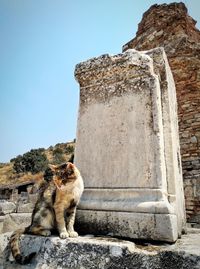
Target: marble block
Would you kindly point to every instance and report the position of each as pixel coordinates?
(127, 147)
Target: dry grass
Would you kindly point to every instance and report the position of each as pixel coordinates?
(8, 176)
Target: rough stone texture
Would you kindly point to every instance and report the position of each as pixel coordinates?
(15, 221)
(25, 208)
(1, 223)
(103, 253)
(7, 207)
(132, 175)
(14, 216)
(171, 27)
(130, 225)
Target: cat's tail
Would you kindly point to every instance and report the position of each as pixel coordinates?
(15, 249)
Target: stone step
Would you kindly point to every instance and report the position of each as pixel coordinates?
(87, 252)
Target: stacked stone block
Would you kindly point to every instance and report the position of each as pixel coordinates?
(171, 27)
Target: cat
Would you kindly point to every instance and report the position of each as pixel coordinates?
(59, 194)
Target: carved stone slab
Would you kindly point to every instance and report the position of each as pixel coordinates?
(127, 147)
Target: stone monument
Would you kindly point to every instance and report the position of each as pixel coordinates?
(127, 147)
(170, 26)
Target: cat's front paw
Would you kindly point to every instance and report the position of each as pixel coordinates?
(64, 235)
(46, 233)
(73, 234)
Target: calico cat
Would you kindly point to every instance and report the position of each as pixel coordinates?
(59, 194)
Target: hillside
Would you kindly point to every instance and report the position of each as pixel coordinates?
(27, 167)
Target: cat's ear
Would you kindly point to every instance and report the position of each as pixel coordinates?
(70, 165)
(52, 167)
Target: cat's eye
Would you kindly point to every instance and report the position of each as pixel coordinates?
(69, 172)
(58, 174)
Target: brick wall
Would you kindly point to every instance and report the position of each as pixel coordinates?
(171, 27)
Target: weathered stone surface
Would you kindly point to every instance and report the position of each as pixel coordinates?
(128, 224)
(170, 26)
(25, 208)
(103, 253)
(15, 221)
(33, 198)
(7, 207)
(128, 111)
(1, 223)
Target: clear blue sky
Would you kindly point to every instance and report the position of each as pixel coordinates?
(41, 42)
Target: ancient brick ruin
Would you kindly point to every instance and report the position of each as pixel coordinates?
(131, 161)
(171, 27)
(15, 192)
(16, 205)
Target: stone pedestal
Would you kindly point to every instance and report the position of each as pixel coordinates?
(127, 147)
(176, 31)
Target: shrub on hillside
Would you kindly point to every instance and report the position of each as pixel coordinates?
(69, 149)
(58, 157)
(2, 165)
(33, 161)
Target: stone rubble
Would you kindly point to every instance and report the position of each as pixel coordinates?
(14, 215)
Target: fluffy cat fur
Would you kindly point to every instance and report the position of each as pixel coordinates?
(55, 208)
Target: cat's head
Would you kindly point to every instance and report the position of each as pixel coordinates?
(62, 174)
